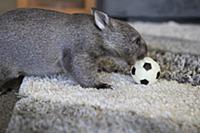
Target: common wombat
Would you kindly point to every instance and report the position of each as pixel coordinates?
(45, 42)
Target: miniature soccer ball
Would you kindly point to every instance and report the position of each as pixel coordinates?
(145, 71)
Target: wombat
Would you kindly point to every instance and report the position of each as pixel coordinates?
(44, 42)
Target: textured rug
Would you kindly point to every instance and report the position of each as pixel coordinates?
(57, 104)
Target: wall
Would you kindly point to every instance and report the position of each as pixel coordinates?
(7, 4)
(151, 8)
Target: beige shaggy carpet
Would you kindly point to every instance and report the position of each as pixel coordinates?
(57, 104)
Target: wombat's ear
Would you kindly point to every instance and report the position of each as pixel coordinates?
(101, 19)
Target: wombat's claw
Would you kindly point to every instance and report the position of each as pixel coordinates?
(2, 93)
(103, 86)
(5, 91)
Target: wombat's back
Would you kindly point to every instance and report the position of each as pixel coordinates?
(31, 40)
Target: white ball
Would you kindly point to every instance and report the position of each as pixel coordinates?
(145, 71)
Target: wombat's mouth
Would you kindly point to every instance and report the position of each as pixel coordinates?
(131, 61)
(137, 57)
(140, 57)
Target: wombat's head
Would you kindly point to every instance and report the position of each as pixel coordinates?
(120, 39)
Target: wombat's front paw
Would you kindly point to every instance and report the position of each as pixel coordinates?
(103, 86)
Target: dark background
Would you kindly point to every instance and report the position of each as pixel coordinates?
(152, 10)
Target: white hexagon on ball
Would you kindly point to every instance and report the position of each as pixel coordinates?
(146, 71)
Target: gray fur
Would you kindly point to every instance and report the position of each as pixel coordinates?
(43, 42)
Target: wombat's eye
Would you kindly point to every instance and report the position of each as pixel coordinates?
(137, 41)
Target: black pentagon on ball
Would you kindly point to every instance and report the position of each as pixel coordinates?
(144, 81)
(147, 66)
(158, 75)
(133, 71)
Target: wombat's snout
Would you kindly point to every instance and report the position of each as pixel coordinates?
(140, 54)
(142, 51)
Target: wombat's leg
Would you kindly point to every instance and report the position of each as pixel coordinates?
(3, 88)
(84, 70)
(6, 75)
